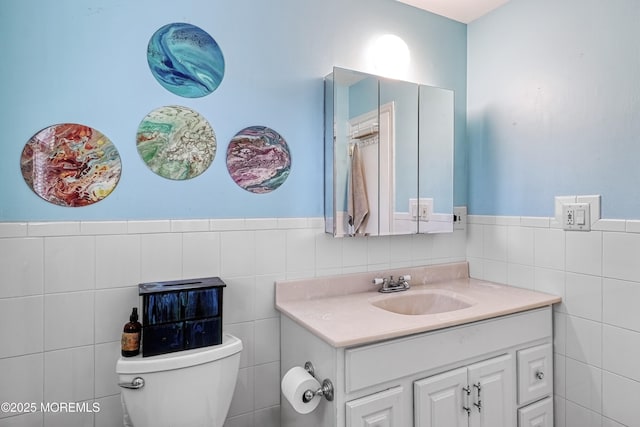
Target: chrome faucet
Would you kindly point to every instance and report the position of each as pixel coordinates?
(390, 285)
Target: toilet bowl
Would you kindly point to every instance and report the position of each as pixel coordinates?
(191, 388)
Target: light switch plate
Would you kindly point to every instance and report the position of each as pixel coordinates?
(594, 206)
(459, 217)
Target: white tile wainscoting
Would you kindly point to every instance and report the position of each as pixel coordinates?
(597, 327)
(67, 289)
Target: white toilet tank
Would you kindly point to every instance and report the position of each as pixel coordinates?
(191, 388)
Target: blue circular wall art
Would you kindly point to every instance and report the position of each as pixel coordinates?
(185, 60)
(258, 159)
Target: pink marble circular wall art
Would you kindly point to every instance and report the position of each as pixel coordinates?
(258, 159)
(70, 165)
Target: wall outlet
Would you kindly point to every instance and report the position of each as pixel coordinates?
(576, 216)
(425, 206)
(560, 201)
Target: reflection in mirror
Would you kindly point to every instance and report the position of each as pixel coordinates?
(435, 168)
(398, 167)
(351, 198)
(374, 135)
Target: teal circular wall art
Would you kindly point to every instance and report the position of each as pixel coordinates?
(185, 60)
(176, 142)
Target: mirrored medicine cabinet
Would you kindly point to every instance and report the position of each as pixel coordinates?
(389, 148)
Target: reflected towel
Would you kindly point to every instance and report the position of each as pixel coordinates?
(358, 202)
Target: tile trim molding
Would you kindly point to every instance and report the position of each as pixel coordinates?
(74, 228)
(614, 225)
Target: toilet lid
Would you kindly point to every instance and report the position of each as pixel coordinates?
(181, 359)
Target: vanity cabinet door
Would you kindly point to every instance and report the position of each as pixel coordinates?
(478, 395)
(376, 410)
(441, 400)
(492, 391)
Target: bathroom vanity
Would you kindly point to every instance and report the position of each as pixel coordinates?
(471, 353)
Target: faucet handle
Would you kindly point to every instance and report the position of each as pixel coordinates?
(405, 278)
(377, 281)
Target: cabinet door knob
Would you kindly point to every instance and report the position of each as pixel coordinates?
(539, 375)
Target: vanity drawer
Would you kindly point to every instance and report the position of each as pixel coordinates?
(535, 373)
(539, 414)
(390, 360)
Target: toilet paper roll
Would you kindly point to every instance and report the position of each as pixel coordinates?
(294, 383)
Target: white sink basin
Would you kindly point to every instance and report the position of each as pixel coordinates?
(423, 302)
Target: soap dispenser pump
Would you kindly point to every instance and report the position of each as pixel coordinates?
(131, 335)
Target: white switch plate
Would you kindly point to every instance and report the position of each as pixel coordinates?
(576, 216)
(421, 209)
(594, 206)
(459, 217)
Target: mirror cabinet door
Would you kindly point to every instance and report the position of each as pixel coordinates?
(355, 154)
(388, 156)
(398, 145)
(329, 202)
(435, 168)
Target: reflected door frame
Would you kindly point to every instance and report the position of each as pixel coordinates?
(378, 162)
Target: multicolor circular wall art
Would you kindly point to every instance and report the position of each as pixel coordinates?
(258, 159)
(71, 165)
(176, 142)
(185, 60)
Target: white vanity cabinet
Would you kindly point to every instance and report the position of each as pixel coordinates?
(421, 380)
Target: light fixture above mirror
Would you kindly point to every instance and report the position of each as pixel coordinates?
(390, 56)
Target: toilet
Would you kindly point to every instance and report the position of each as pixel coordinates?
(191, 388)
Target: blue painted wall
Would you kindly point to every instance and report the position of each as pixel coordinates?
(554, 106)
(84, 61)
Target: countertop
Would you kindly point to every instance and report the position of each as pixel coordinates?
(339, 310)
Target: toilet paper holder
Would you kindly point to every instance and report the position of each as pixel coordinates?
(326, 389)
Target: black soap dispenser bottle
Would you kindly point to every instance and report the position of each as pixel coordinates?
(131, 335)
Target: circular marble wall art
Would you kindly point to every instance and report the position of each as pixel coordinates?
(71, 165)
(185, 60)
(176, 142)
(258, 159)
